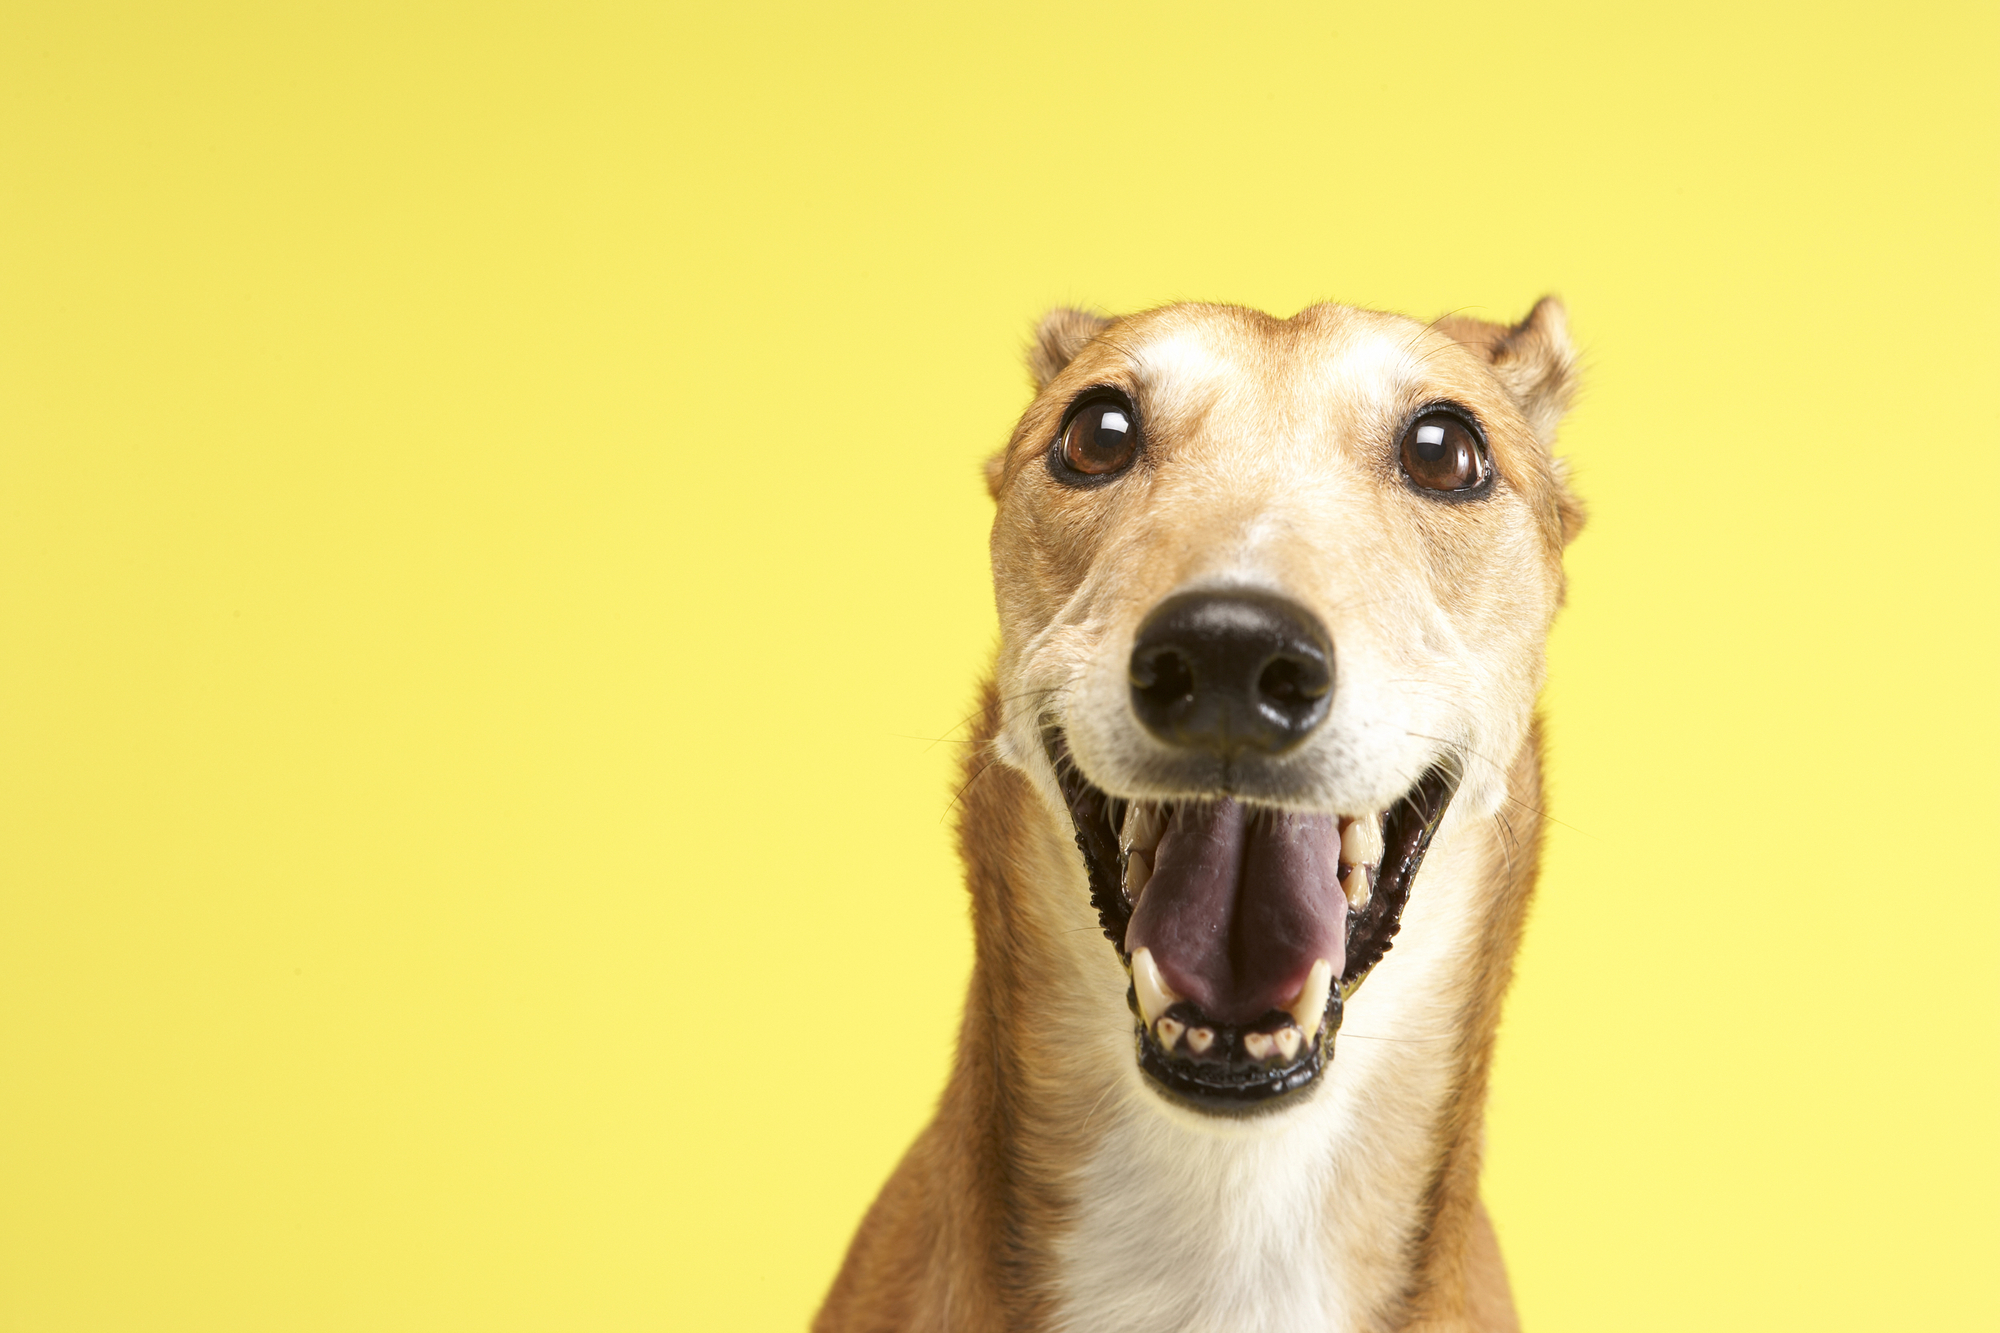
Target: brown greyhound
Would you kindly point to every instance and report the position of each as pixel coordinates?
(1273, 595)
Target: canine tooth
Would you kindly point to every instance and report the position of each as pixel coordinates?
(1361, 841)
(1155, 996)
(1310, 1007)
(1142, 827)
(1200, 1039)
(1357, 888)
(1170, 1030)
(1138, 870)
(1289, 1041)
(1259, 1044)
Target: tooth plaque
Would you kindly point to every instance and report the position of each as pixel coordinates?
(1138, 872)
(1169, 1031)
(1200, 1039)
(1143, 826)
(1151, 990)
(1259, 1044)
(1289, 1040)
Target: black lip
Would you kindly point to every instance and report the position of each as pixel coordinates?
(1226, 1081)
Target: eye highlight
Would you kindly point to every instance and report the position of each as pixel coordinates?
(1102, 437)
(1442, 453)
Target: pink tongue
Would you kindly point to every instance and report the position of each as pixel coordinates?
(1239, 907)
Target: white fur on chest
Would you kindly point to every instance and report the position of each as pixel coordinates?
(1292, 1223)
(1182, 1229)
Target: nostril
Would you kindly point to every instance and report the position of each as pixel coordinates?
(1162, 678)
(1293, 681)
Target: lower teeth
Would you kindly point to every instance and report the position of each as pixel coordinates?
(1280, 1047)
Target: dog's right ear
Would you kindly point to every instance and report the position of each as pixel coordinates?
(1062, 333)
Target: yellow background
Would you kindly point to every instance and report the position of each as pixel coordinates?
(492, 572)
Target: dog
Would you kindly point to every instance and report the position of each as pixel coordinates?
(1274, 596)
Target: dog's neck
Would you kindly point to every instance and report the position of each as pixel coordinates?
(1354, 1211)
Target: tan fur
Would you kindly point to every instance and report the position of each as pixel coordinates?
(1251, 460)
(1459, 1281)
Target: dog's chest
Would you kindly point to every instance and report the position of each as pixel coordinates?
(1180, 1230)
(1296, 1227)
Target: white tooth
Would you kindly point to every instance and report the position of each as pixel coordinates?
(1357, 888)
(1200, 1039)
(1361, 841)
(1288, 1040)
(1258, 1044)
(1170, 1030)
(1138, 870)
(1155, 996)
(1142, 827)
(1310, 1007)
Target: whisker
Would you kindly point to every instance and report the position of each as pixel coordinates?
(1099, 1102)
(958, 797)
(1509, 796)
(973, 716)
(1343, 1034)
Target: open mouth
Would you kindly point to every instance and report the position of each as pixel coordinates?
(1245, 928)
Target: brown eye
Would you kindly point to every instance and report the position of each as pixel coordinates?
(1440, 453)
(1101, 438)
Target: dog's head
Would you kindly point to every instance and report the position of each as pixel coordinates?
(1272, 594)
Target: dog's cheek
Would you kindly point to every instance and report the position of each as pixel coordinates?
(1047, 551)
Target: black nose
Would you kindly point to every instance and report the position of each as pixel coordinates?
(1231, 671)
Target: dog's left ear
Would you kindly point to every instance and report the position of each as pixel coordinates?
(1536, 363)
(1534, 360)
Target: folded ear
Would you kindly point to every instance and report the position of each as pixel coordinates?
(1062, 333)
(1570, 512)
(1533, 359)
(1537, 364)
(995, 471)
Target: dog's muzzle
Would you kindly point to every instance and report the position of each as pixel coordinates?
(1244, 926)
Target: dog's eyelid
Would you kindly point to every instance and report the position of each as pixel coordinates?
(1449, 407)
(1091, 395)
